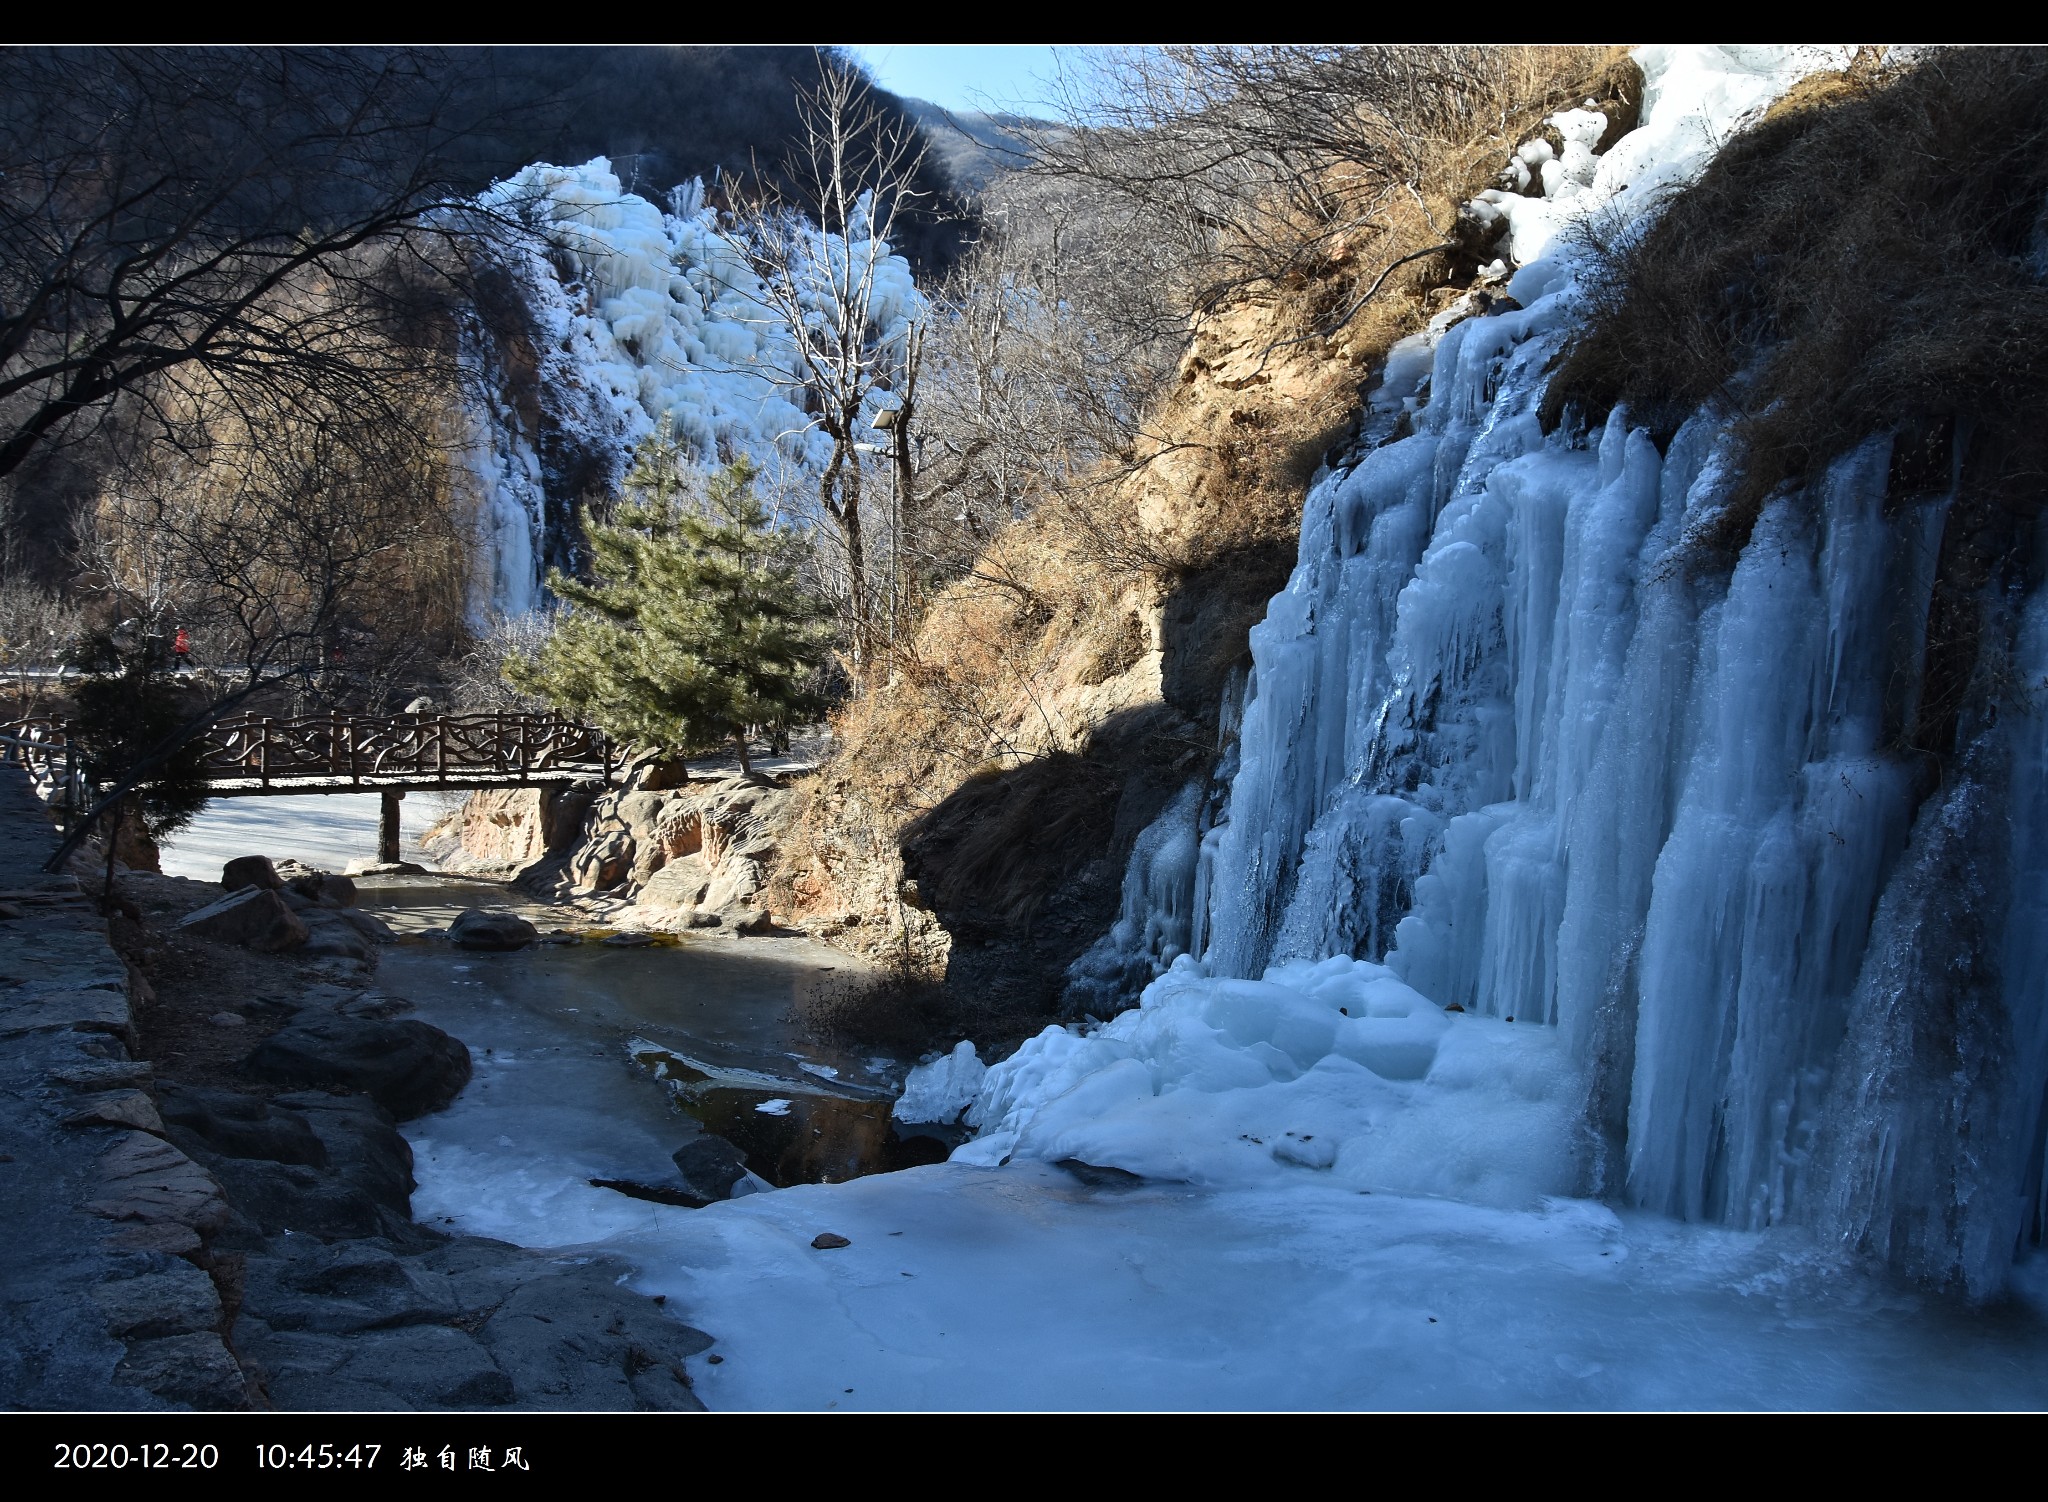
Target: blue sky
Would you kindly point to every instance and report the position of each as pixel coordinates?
(960, 78)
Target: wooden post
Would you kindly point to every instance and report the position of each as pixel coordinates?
(387, 826)
(263, 755)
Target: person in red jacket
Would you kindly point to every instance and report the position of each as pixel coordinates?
(181, 650)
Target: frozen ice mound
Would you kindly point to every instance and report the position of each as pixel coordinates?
(1334, 1066)
(939, 1090)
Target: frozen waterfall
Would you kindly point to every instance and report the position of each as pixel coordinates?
(621, 319)
(1511, 755)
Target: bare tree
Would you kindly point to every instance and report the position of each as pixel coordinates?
(278, 549)
(1052, 342)
(38, 629)
(159, 208)
(1175, 181)
(1250, 165)
(823, 254)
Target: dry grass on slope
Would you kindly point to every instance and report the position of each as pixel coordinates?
(1272, 382)
(1867, 258)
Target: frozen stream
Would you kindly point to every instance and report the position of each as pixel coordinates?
(1022, 1287)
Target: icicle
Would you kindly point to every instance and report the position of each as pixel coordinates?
(1509, 751)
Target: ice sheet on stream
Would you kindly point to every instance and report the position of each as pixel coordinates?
(331, 831)
(1023, 1288)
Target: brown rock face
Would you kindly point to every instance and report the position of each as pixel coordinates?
(499, 828)
(255, 917)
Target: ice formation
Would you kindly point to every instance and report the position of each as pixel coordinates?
(639, 318)
(939, 1089)
(1505, 755)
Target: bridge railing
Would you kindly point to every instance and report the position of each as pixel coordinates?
(267, 750)
(374, 750)
(42, 747)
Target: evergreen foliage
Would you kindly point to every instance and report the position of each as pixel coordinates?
(128, 704)
(693, 626)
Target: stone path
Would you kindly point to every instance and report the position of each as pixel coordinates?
(169, 1246)
(101, 1304)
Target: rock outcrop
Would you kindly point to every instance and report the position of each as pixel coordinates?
(695, 855)
(501, 831)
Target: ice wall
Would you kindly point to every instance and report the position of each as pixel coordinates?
(637, 318)
(1508, 748)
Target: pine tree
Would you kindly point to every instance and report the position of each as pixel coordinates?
(126, 708)
(693, 625)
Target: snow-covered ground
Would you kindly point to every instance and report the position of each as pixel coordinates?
(1023, 1288)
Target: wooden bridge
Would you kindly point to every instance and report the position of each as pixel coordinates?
(336, 753)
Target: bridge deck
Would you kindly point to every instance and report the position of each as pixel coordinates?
(219, 787)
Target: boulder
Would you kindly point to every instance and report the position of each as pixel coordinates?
(252, 916)
(369, 925)
(250, 871)
(477, 929)
(328, 934)
(238, 1126)
(710, 1167)
(325, 888)
(761, 922)
(408, 1067)
(365, 1150)
(663, 775)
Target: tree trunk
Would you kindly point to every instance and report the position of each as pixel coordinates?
(113, 839)
(906, 515)
(856, 564)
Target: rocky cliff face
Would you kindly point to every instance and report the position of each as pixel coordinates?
(694, 856)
